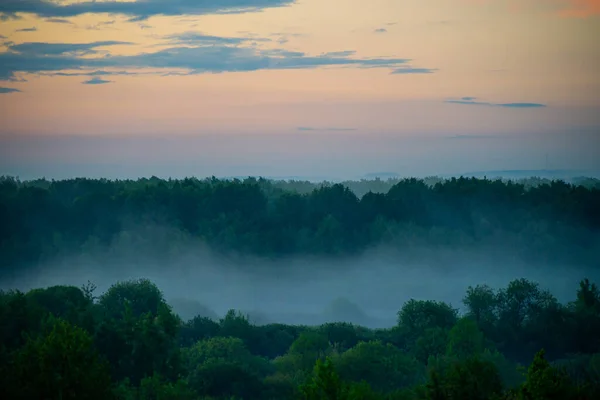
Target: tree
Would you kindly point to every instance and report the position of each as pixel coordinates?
(470, 378)
(465, 339)
(528, 317)
(543, 382)
(325, 383)
(482, 304)
(62, 364)
(432, 342)
(137, 332)
(223, 366)
(383, 366)
(416, 316)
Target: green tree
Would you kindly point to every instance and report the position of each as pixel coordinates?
(470, 378)
(325, 383)
(432, 342)
(137, 332)
(416, 316)
(544, 382)
(62, 364)
(382, 366)
(465, 339)
(223, 366)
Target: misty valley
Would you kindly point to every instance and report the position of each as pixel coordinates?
(458, 288)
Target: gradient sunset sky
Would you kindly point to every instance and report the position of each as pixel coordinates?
(313, 88)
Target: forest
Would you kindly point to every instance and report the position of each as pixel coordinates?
(516, 342)
(535, 220)
(128, 341)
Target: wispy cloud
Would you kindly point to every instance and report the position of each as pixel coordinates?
(32, 29)
(99, 73)
(200, 39)
(521, 105)
(380, 30)
(137, 10)
(100, 25)
(330, 129)
(38, 49)
(6, 16)
(283, 38)
(473, 137)
(5, 90)
(409, 70)
(59, 21)
(224, 54)
(344, 53)
(475, 102)
(96, 81)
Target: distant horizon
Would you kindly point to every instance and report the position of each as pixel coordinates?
(566, 175)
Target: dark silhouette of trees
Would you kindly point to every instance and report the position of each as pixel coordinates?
(549, 221)
(64, 343)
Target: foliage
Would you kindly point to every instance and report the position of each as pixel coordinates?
(61, 364)
(549, 221)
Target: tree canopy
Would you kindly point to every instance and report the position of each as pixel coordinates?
(550, 221)
(63, 342)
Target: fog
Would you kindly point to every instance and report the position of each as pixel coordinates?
(368, 289)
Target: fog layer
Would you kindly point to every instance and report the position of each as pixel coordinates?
(367, 290)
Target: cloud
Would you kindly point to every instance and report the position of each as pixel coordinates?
(59, 21)
(473, 137)
(283, 38)
(380, 30)
(200, 39)
(5, 90)
(32, 29)
(3, 37)
(309, 128)
(98, 73)
(56, 49)
(473, 101)
(409, 70)
(96, 81)
(8, 16)
(100, 25)
(344, 53)
(521, 105)
(138, 10)
(223, 55)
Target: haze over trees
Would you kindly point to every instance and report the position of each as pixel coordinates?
(546, 222)
(510, 341)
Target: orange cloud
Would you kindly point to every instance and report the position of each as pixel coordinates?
(581, 8)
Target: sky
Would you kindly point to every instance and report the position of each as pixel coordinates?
(310, 88)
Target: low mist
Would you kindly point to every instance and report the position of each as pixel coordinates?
(368, 289)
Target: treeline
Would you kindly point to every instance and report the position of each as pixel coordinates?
(64, 342)
(554, 222)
